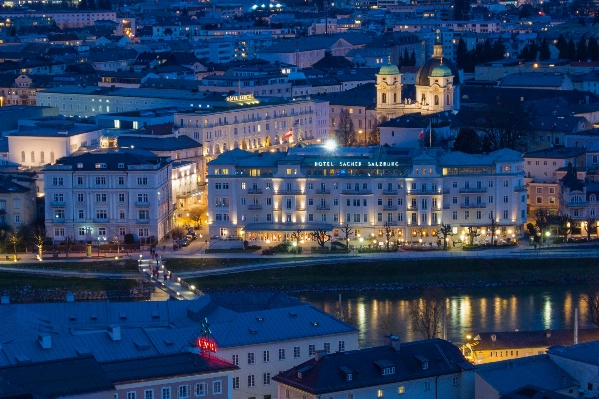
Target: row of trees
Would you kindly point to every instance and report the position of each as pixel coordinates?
(407, 59)
(483, 52)
(94, 5)
(564, 226)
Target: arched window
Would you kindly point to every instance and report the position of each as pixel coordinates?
(51, 157)
(254, 144)
(22, 156)
(423, 99)
(225, 147)
(436, 99)
(384, 98)
(42, 157)
(448, 101)
(577, 198)
(217, 149)
(32, 156)
(236, 144)
(394, 98)
(592, 198)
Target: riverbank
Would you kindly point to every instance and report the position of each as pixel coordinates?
(408, 274)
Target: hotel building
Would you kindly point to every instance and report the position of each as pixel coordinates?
(267, 196)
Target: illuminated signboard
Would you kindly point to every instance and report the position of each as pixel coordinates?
(353, 164)
(207, 345)
(242, 98)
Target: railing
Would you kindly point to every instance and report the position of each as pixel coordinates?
(142, 203)
(576, 204)
(300, 208)
(143, 221)
(57, 203)
(323, 208)
(473, 205)
(100, 220)
(520, 188)
(255, 207)
(321, 191)
(413, 208)
(429, 191)
(58, 220)
(468, 190)
(356, 192)
(254, 191)
(288, 192)
(389, 192)
(390, 207)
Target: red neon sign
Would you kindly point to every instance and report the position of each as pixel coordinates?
(207, 345)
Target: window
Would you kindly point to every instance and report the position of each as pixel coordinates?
(144, 214)
(251, 380)
(183, 391)
(266, 378)
(200, 389)
(81, 214)
(149, 394)
(296, 352)
(235, 382)
(281, 354)
(341, 346)
(380, 393)
(100, 180)
(142, 181)
(236, 360)
(455, 381)
(101, 214)
(401, 390)
(217, 387)
(101, 197)
(327, 347)
(130, 395)
(121, 197)
(251, 359)
(57, 181)
(311, 350)
(166, 393)
(121, 181)
(266, 356)
(427, 385)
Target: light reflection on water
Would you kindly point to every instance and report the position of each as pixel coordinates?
(470, 310)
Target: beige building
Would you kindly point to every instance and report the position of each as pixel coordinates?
(17, 197)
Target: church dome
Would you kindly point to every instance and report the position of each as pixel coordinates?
(389, 69)
(427, 68)
(441, 71)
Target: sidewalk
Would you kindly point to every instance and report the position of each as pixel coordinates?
(172, 286)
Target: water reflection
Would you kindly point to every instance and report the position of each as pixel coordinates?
(469, 311)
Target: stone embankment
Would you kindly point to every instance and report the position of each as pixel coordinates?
(412, 286)
(142, 292)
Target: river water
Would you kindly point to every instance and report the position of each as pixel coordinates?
(470, 310)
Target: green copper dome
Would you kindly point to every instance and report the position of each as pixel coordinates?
(389, 69)
(441, 71)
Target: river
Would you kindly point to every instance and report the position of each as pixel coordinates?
(470, 310)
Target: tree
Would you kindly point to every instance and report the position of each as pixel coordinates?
(564, 226)
(321, 237)
(562, 46)
(462, 57)
(83, 5)
(178, 232)
(498, 51)
(503, 124)
(406, 57)
(389, 233)
(445, 231)
(196, 216)
(261, 22)
(347, 231)
(544, 52)
(374, 136)
(593, 49)
(14, 239)
(590, 226)
(581, 49)
(571, 50)
(525, 11)
(104, 5)
(542, 221)
(297, 236)
(593, 303)
(345, 133)
(68, 244)
(413, 58)
(472, 233)
(428, 314)
(39, 238)
(461, 10)
(118, 241)
(468, 141)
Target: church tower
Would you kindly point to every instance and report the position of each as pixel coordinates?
(388, 90)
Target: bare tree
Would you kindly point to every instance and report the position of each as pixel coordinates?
(593, 302)
(347, 231)
(345, 132)
(374, 136)
(178, 232)
(564, 223)
(472, 232)
(39, 239)
(388, 231)
(590, 226)
(117, 240)
(297, 236)
(196, 216)
(13, 239)
(428, 313)
(68, 244)
(321, 236)
(445, 231)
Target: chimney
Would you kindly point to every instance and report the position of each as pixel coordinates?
(319, 355)
(395, 343)
(70, 297)
(114, 332)
(493, 337)
(548, 333)
(45, 341)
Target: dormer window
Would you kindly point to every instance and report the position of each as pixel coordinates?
(79, 166)
(423, 361)
(388, 370)
(121, 165)
(348, 377)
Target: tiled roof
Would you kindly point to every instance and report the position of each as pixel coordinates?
(585, 353)
(158, 144)
(532, 339)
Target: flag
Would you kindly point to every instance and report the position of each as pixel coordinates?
(421, 135)
(289, 134)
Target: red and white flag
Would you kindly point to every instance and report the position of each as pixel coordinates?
(421, 135)
(288, 135)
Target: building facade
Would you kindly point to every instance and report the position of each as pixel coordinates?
(268, 196)
(101, 193)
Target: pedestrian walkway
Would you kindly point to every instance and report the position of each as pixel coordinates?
(177, 288)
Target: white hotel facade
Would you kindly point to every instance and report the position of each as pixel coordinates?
(268, 196)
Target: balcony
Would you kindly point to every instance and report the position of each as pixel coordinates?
(436, 208)
(428, 191)
(356, 192)
(255, 207)
(390, 207)
(323, 208)
(100, 220)
(322, 192)
(289, 192)
(473, 190)
(446, 206)
(57, 203)
(389, 192)
(520, 188)
(142, 203)
(413, 208)
(58, 220)
(576, 204)
(254, 191)
(143, 221)
(300, 208)
(473, 205)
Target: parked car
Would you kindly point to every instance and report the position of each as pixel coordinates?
(185, 242)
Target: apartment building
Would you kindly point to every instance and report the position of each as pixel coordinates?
(68, 19)
(97, 194)
(268, 196)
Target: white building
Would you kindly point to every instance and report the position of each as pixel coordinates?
(100, 193)
(268, 196)
(68, 19)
